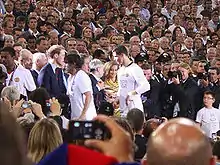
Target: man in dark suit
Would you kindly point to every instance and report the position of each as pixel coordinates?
(39, 63)
(54, 79)
(150, 98)
(96, 67)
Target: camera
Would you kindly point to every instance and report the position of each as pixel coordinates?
(26, 105)
(48, 103)
(174, 74)
(203, 76)
(81, 130)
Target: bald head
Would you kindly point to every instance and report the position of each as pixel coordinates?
(179, 142)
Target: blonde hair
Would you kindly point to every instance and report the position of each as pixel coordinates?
(186, 66)
(108, 67)
(44, 137)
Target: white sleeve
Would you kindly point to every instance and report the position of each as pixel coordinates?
(84, 83)
(29, 81)
(142, 83)
(199, 117)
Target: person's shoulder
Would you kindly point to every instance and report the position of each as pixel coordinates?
(82, 74)
(202, 110)
(22, 69)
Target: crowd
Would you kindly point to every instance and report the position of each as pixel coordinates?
(142, 63)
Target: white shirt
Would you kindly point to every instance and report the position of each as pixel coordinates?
(131, 78)
(209, 120)
(22, 79)
(77, 86)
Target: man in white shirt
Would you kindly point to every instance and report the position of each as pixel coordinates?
(132, 82)
(80, 88)
(209, 117)
(17, 75)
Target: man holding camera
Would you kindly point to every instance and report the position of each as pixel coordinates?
(180, 95)
(210, 81)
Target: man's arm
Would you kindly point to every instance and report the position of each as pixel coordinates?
(88, 99)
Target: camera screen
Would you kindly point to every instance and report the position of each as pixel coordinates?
(79, 130)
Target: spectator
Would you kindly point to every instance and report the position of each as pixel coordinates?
(209, 117)
(40, 143)
(188, 134)
(136, 118)
(19, 76)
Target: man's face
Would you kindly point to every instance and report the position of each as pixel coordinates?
(148, 74)
(71, 45)
(67, 26)
(95, 47)
(203, 31)
(81, 46)
(43, 46)
(135, 41)
(211, 54)
(85, 66)
(186, 58)
(119, 58)
(27, 61)
(103, 41)
(6, 59)
(33, 24)
(17, 50)
(213, 75)
(60, 58)
(201, 68)
(194, 66)
(43, 11)
(189, 43)
(9, 6)
(135, 50)
(42, 62)
(9, 28)
(70, 68)
(54, 39)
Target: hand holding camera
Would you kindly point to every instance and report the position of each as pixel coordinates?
(55, 107)
(118, 146)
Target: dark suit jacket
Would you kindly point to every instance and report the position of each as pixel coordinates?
(53, 82)
(26, 34)
(35, 75)
(187, 95)
(152, 105)
(99, 96)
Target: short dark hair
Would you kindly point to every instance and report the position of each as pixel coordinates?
(74, 59)
(10, 50)
(209, 93)
(38, 41)
(215, 68)
(136, 118)
(121, 49)
(98, 52)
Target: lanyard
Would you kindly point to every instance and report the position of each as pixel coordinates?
(12, 75)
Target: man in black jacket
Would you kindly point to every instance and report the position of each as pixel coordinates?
(96, 68)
